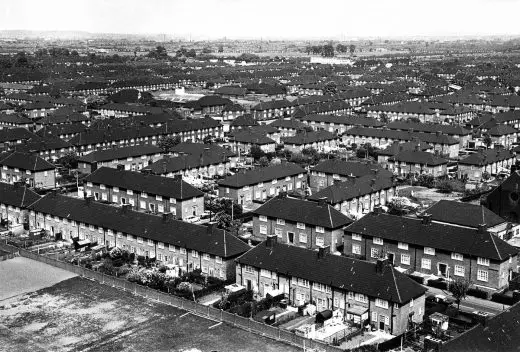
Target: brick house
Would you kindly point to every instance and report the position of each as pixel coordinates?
(132, 158)
(428, 248)
(330, 171)
(148, 193)
(300, 223)
(358, 196)
(287, 127)
(491, 161)
(319, 140)
(241, 141)
(14, 201)
(259, 183)
(459, 133)
(364, 292)
(338, 124)
(181, 246)
(206, 164)
(417, 162)
(36, 171)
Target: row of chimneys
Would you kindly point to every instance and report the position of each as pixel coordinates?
(272, 240)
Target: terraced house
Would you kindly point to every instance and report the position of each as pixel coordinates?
(148, 193)
(428, 249)
(14, 200)
(358, 196)
(28, 168)
(260, 183)
(338, 124)
(184, 246)
(132, 158)
(362, 291)
(490, 161)
(300, 223)
(410, 162)
(459, 133)
(319, 140)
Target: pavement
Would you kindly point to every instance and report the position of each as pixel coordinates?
(470, 303)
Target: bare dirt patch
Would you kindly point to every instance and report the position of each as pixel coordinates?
(81, 315)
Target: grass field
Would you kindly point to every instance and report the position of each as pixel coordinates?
(82, 315)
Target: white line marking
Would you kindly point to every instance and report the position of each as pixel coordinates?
(214, 326)
(182, 316)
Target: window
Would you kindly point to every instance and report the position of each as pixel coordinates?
(318, 286)
(171, 248)
(426, 264)
(249, 269)
(361, 298)
(288, 178)
(356, 249)
(351, 295)
(378, 240)
(457, 256)
(303, 282)
(261, 184)
(483, 261)
(263, 218)
(402, 245)
(320, 241)
(482, 275)
(130, 192)
(278, 232)
(139, 240)
(429, 250)
(160, 245)
(194, 254)
(459, 270)
(320, 229)
(374, 252)
(142, 204)
(116, 189)
(357, 237)
(159, 198)
(300, 225)
(374, 317)
(303, 237)
(205, 256)
(263, 229)
(274, 181)
(405, 259)
(381, 303)
(150, 242)
(227, 189)
(182, 250)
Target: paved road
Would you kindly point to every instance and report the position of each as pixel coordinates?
(471, 303)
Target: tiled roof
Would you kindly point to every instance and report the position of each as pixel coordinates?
(304, 211)
(120, 153)
(309, 137)
(150, 184)
(428, 128)
(343, 120)
(15, 119)
(501, 130)
(397, 147)
(263, 174)
(25, 161)
(418, 157)
(486, 157)
(14, 134)
(350, 168)
(248, 136)
(337, 271)
(184, 162)
(244, 120)
(463, 214)
(434, 138)
(16, 195)
(148, 226)
(289, 123)
(444, 237)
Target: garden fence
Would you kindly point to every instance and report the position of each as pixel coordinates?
(209, 312)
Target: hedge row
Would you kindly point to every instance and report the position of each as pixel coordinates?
(475, 292)
(416, 278)
(503, 299)
(438, 284)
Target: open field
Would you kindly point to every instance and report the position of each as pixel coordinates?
(82, 315)
(21, 275)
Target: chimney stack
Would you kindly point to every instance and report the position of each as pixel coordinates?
(482, 228)
(322, 201)
(271, 241)
(426, 219)
(120, 167)
(167, 217)
(380, 265)
(322, 251)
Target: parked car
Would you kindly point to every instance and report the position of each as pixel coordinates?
(192, 219)
(442, 299)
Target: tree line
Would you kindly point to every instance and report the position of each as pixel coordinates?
(328, 50)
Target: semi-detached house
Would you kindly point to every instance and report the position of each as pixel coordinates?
(260, 183)
(300, 223)
(28, 167)
(491, 161)
(427, 248)
(183, 246)
(145, 192)
(364, 292)
(14, 200)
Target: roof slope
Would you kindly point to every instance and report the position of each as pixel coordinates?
(17, 196)
(341, 272)
(262, 174)
(178, 233)
(304, 211)
(151, 184)
(349, 168)
(26, 161)
(120, 153)
(463, 214)
(435, 235)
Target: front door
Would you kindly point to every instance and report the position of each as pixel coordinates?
(248, 285)
(290, 236)
(391, 257)
(443, 269)
(382, 325)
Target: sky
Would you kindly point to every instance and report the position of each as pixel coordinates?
(268, 19)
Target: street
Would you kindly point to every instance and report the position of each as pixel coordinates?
(470, 303)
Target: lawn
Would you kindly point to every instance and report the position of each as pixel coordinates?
(81, 315)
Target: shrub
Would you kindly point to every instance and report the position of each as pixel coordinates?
(475, 292)
(162, 269)
(123, 271)
(503, 299)
(438, 284)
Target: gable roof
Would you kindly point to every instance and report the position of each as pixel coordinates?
(337, 271)
(309, 137)
(250, 137)
(287, 123)
(175, 232)
(486, 157)
(120, 153)
(17, 195)
(14, 134)
(418, 157)
(25, 161)
(303, 211)
(150, 184)
(262, 174)
(463, 214)
(350, 168)
(441, 236)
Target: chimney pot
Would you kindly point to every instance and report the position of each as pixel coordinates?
(426, 219)
(322, 251)
(271, 241)
(482, 228)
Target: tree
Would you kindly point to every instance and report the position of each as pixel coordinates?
(208, 139)
(383, 117)
(69, 160)
(341, 48)
(159, 53)
(352, 48)
(207, 50)
(330, 88)
(263, 161)
(459, 289)
(445, 186)
(257, 152)
(191, 53)
(328, 50)
(486, 139)
(167, 143)
(220, 48)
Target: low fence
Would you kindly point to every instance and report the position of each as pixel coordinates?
(208, 312)
(7, 256)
